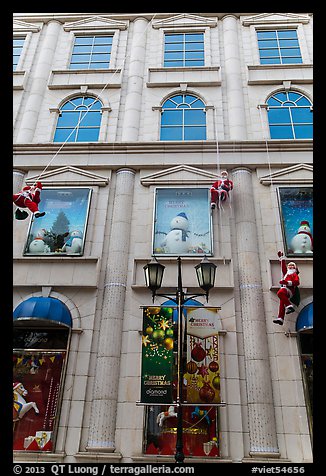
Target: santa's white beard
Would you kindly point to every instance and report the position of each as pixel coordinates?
(290, 271)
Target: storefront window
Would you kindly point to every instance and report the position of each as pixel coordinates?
(182, 224)
(39, 361)
(296, 207)
(62, 229)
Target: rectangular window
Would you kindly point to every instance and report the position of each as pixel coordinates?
(182, 222)
(18, 44)
(91, 52)
(296, 208)
(61, 231)
(184, 49)
(278, 47)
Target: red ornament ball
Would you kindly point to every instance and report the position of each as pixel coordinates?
(198, 353)
(191, 367)
(206, 393)
(213, 366)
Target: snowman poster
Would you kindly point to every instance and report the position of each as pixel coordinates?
(182, 222)
(296, 205)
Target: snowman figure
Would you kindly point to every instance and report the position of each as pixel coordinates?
(177, 241)
(74, 244)
(302, 242)
(38, 246)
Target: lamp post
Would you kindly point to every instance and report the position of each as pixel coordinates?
(153, 278)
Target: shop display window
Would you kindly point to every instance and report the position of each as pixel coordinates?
(39, 362)
(182, 222)
(296, 209)
(61, 231)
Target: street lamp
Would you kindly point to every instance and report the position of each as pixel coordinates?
(153, 278)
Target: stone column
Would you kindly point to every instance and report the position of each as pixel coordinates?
(233, 80)
(104, 404)
(261, 416)
(133, 104)
(39, 78)
(17, 180)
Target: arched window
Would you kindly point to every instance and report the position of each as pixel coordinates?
(79, 120)
(183, 118)
(290, 116)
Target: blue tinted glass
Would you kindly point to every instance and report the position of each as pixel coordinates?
(82, 49)
(281, 132)
(171, 117)
(303, 132)
(267, 44)
(195, 37)
(288, 43)
(61, 135)
(279, 115)
(173, 64)
(178, 99)
(301, 115)
(79, 66)
(290, 52)
(195, 133)
(194, 63)
(287, 34)
(84, 40)
(190, 55)
(189, 99)
(194, 117)
(100, 40)
(173, 38)
(266, 34)
(293, 96)
(99, 65)
(281, 96)
(80, 58)
(269, 53)
(68, 106)
(100, 57)
(102, 49)
(171, 133)
(303, 102)
(194, 46)
(292, 60)
(171, 55)
(174, 47)
(68, 119)
(169, 103)
(270, 61)
(90, 119)
(87, 135)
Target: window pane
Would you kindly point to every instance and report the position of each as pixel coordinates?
(83, 40)
(301, 115)
(171, 117)
(190, 55)
(173, 64)
(80, 58)
(195, 37)
(288, 43)
(195, 133)
(281, 132)
(266, 34)
(90, 119)
(194, 46)
(173, 55)
(290, 52)
(194, 117)
(303, 132)
(269, 53)
(291, 60)
(173, 38)
(194, 63)
(171, 133)
(270, 61)
(68, 119)
(61, 135)
(102, 49)
(100, 40)
(79, 65)
(268, 44)
(287, 34)
(87, 135)
(279, 115)
(174, 47)
(82, 49)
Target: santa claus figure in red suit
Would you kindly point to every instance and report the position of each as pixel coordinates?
(29, 198)
(220, 189)
(289, 286)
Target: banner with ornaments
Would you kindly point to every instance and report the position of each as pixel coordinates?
(202, 369)
(157, 355)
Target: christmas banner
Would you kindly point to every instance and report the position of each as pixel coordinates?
(157, 355)
(202, 370)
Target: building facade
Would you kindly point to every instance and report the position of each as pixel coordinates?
(127, 120)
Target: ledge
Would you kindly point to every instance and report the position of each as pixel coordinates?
(98, 457)
(18, 80)
(37, 457)
(75, 78)
(192, 76)
(277, 73)
(150, 459)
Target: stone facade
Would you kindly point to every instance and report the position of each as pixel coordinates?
(265, 417)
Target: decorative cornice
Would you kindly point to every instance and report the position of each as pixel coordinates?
(185, 20)
(96, 23)
(275, 18)
(296, 174)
